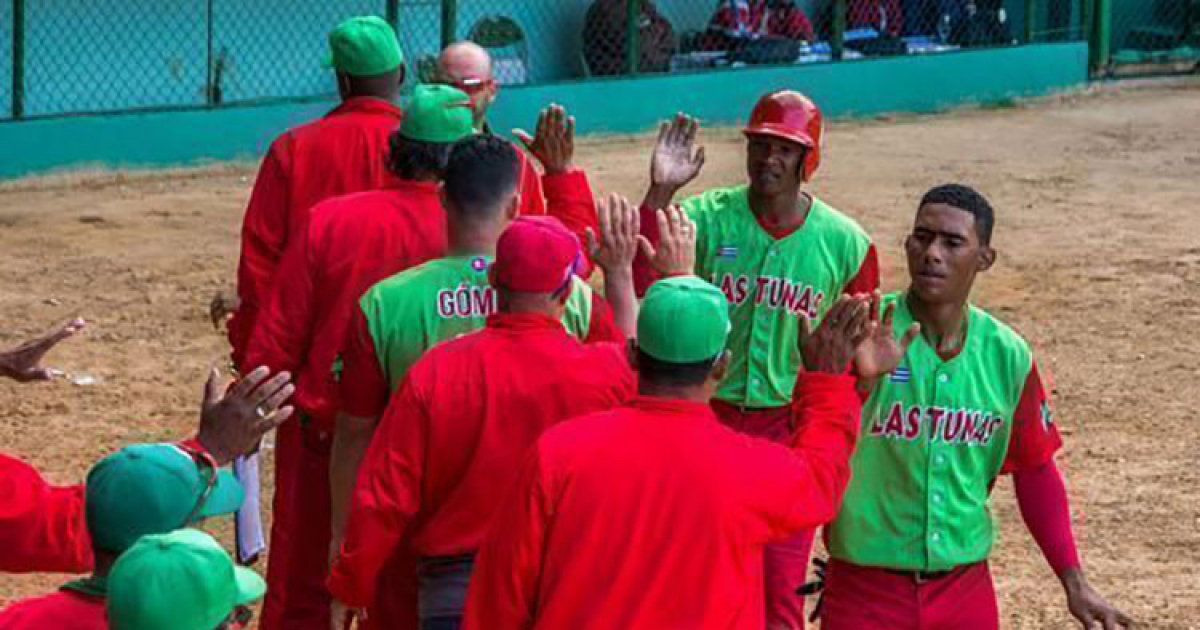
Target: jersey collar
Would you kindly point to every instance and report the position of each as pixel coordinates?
(521, 322)
(366, 105)
(672, 407)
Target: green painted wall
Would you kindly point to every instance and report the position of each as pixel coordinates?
(900, 84)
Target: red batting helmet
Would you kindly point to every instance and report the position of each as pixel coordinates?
(789, 115)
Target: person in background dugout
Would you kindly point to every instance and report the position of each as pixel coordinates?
(182, 580)
(400, 318)
(43, 526)
(340, 153)
(349, 243)
(781, 256)
(885, 16)
(944, 417)
(606, 32)
(452, 437)
(654, 515)
(746, 19)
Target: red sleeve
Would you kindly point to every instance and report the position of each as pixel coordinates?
(364, 388)
(503, 591)
(802, 487)
(1042, 497)
(724, 19)
(533, 201)
(644, 273)
(793, 24)
(569, 199)
(867, 278)
(602, 327)
(42, 526)
(264, 234)
(1034, 437)
(386, 495)
(282, 334)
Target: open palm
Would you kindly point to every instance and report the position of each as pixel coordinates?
(881, 352)
(676, 160)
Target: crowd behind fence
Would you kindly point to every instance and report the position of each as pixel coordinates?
(84, 56)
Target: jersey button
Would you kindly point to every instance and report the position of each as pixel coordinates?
(943, 378)
(935, 536)
(937, 497)
(939, 459)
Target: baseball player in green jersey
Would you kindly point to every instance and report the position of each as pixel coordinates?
(778, 253)
(953, 405)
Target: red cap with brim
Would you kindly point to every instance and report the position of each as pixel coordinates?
(536, 255)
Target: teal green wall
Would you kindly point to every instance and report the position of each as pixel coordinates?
(900, 84)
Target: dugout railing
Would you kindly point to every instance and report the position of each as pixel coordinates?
(73, 57)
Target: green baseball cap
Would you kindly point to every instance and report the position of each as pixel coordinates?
(151, 489)
(182, 580)
(683, 320)
(438, 113)
(364, 46)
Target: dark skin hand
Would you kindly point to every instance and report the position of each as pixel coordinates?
(23, 363)
(232, 424)
(831, 347)
(881, 352)
(554, 142)
(1088, 607)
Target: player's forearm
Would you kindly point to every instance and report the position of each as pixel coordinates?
(351, 438)
(618, 290)
(827, 410)
(659, 196)
(1042, 499)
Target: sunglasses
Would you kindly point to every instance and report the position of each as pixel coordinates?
(208, 468)
(239, 618)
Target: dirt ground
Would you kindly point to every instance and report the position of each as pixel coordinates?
(1098, 200)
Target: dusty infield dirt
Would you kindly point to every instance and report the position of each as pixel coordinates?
(1098, 200)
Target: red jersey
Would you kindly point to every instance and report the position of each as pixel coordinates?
(348, 244)
(343, 152)
(453, 437)
(64, 610)
(42, 526)
(655, 516)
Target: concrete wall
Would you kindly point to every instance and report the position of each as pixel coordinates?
(913, 84)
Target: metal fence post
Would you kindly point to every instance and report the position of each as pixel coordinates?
(837, 43)
(1030, 9)
(1101, 35)
(18, 58)
(633, 47)
(449, 22)
(209, 89)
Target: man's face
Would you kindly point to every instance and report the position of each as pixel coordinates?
(773, 164)
(944, 254)
(473, 78)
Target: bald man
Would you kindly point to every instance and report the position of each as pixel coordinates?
(468, 67)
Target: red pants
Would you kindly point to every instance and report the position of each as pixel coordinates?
(785, 563)
(866, 598)
(299, 544)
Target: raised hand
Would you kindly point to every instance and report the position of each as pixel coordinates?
(617, 245)
(845, 327)
(676, 159)
(23, 363)
(675, 253)
(231, 425)
(554, 142)
(882, 352)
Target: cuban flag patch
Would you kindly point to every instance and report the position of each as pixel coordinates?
(900, 375)
(727, 251)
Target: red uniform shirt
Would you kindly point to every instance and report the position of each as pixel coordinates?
(453, 437)
(349, 243)
(63, 610)
(341, 153)
(42, 526)
(365, 387)
(655, 516)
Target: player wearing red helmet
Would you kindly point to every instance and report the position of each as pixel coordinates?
(778, 253)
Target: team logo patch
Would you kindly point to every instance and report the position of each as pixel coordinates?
(1047, 415)
(727, 251)
(900, 375)
(479, 264)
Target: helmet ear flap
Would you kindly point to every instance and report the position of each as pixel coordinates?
(812, 157)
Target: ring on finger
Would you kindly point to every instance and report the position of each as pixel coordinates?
(262, 412)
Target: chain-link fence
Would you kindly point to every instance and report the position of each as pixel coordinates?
(1154, 36)
(84, 56)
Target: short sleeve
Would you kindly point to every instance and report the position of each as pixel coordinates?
(1034, 438)
(364, 389)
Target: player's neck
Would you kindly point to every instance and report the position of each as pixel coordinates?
(690, 393)
(782, 210)
(943, 324)
(473, 241)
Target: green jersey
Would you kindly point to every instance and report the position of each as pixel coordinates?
(935, 434)
(770, 282)
(403, 316)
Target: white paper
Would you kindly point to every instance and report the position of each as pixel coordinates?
(251, 541)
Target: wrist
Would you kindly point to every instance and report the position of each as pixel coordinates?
(213, 447)
(660, 195)
(561, 168)
(620, 273)
(1072, 579)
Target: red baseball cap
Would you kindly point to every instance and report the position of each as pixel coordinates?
(536, 255)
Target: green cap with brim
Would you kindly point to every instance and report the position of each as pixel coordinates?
(152, 489)
(438, 113)
(182, 580)
(683, 320)
(364, 46)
